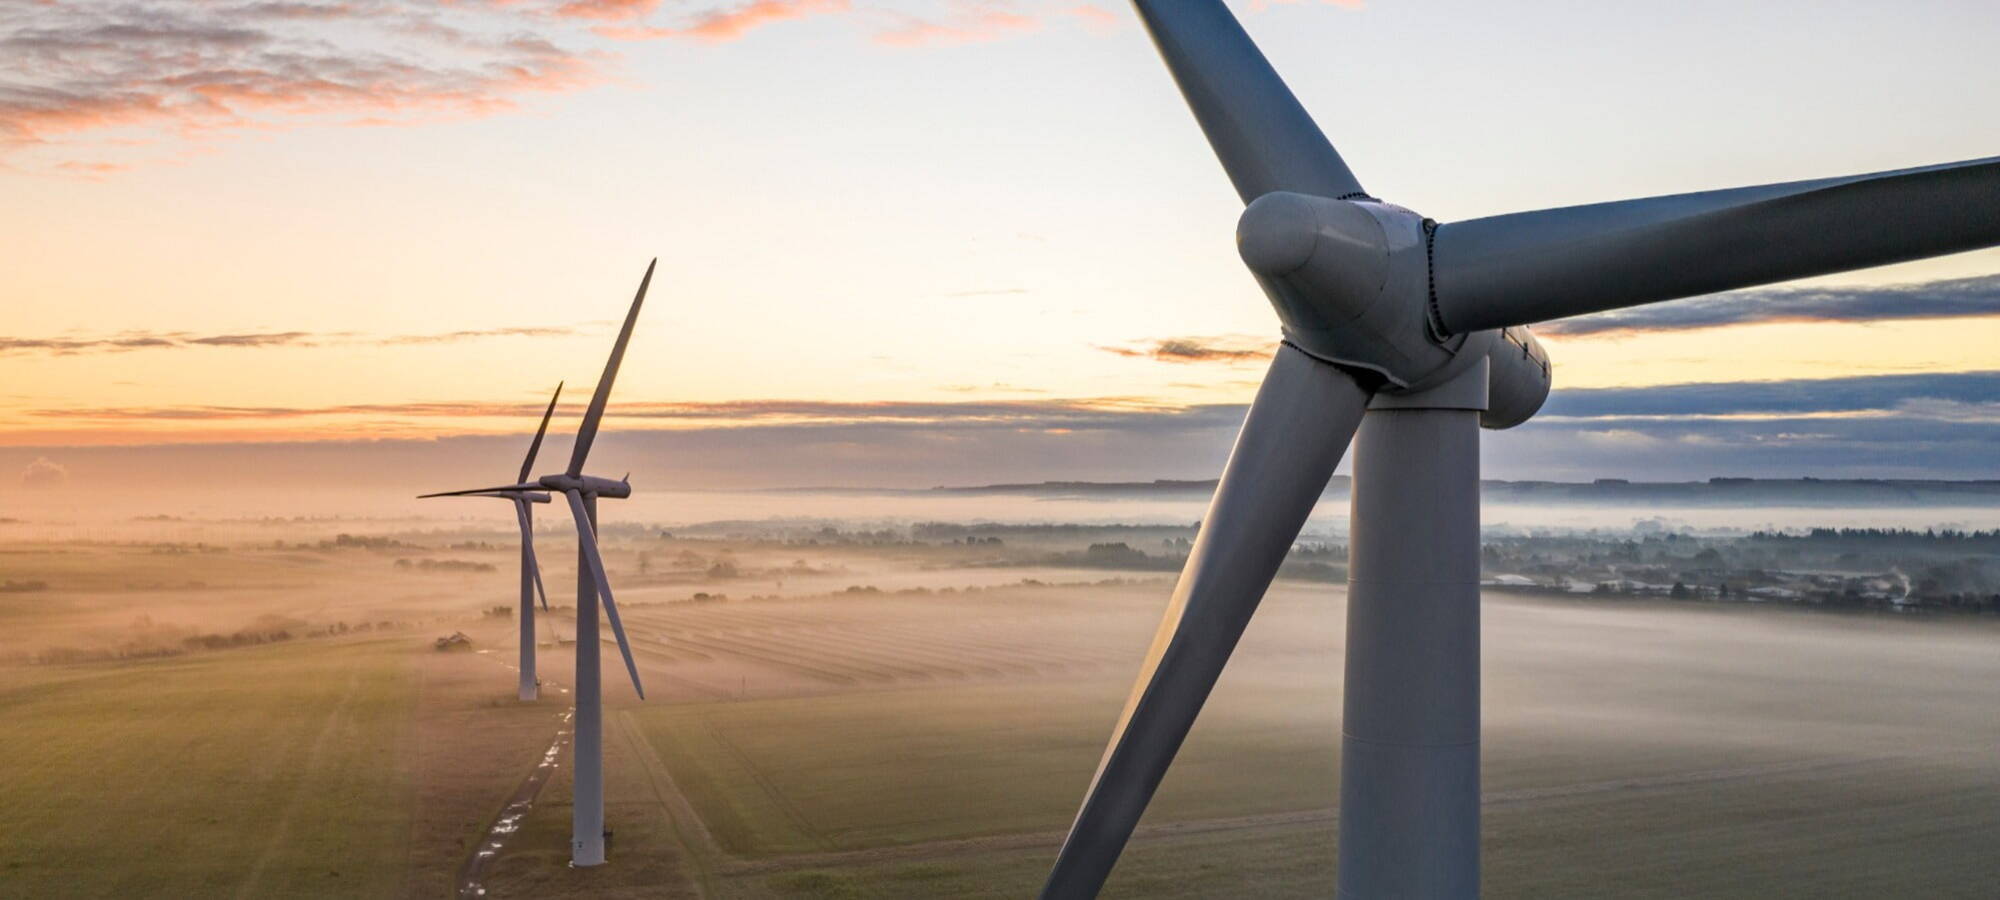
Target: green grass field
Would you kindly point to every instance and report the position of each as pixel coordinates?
(264, 772)
(937, 745)
(1628, 753)
(855, 771)
(899, 770)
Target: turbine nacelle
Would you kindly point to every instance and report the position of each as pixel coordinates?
(587, 484)
(1351, 282)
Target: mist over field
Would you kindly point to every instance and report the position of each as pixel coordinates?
(873, 693)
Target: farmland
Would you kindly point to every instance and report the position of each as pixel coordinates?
(883, 718)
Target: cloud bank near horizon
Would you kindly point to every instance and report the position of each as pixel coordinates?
(128, 341)
(1976, 297)
(1922, 426)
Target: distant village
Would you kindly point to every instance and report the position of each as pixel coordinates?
(1885, 569)
(1893, 570)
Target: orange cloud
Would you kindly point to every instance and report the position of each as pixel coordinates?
(1261, 5)
(607, 10)
(1229, 349)
(129, 341)
(968, 23)
(721, 26)
(1094, 17)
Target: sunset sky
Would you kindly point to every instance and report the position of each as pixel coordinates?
(951, 240)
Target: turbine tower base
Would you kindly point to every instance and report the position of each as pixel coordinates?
(586, 845)
(1409, 770)
(531, 687)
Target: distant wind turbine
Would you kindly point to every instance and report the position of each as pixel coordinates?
(531, 570)
(583, 491)
(1412, 333)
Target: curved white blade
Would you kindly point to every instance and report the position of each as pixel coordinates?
(1531, 267)
(1264, 138)
(1301, 422)
(534, 447)
(587, 539)
(474, 492)
(528, 542)
(587, 432)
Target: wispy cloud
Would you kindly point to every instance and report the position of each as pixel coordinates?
(126, 342)
(183, 71)
(1031, 414)
(1958, 298)
(962, 22)
(606, 10)
(1229, 348)
(723, 24)
(1261, 5)
(44, 472)
(1097, 18)
(889, 24)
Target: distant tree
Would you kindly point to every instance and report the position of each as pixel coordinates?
(1679, 592)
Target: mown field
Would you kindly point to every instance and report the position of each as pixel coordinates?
(269, 771)
(887, 724)
(1632, 751)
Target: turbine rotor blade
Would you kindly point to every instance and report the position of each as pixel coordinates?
(587, 539)
(1531, 267)
(1299, 426)
(471, 492)
(528, 545)
(587, 432)
(1265, 140)
(528, 464)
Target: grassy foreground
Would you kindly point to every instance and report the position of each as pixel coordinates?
(267, 772)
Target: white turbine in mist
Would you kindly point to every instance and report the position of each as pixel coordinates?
(531, 570)
(582, 491)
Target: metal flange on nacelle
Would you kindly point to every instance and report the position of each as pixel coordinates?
(1350, 280)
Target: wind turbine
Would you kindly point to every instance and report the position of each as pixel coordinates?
(582, 491)
(531, 571)
(1412, 332)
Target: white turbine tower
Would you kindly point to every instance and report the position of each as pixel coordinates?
(582, 492)
(531, 570)
(1410, 332)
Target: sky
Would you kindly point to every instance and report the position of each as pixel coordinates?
(905, 243)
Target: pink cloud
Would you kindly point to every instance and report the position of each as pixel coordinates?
(607, 10)
(182, 71)
(1096, 18)
(968, 22)
(1261, 5)
(721, 26)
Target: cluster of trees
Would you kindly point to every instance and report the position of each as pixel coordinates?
(444, 565)
(146, 639)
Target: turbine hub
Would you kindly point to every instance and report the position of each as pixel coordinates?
(1350, 281)
(1344, 247)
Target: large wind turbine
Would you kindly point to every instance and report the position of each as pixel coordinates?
(531, 571)
(582, 491)
(1411, 333)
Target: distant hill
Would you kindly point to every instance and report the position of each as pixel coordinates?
(1603, 491)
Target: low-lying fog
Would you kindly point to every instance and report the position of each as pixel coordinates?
(81, 513)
